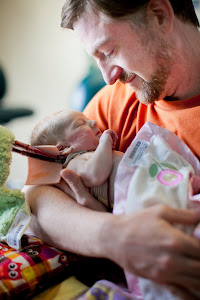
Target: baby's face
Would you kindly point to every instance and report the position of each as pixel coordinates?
(81, 133)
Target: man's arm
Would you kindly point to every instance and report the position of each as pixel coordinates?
(144, 243)
(62, 222)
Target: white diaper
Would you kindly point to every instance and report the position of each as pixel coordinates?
(153, 171)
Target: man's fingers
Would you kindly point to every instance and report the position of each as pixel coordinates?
(188, 267)
(181, 292)
(69, 176)
(189, 282)
(184, 272)
(81, 193)
(180, 216)
(185, 244)
(74, 181)
(63, 186)
(188, 246)
(71, 184)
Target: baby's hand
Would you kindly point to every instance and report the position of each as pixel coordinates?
(109, 135)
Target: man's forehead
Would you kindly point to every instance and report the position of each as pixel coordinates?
(94, 29)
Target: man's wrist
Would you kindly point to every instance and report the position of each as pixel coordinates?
(107, 237)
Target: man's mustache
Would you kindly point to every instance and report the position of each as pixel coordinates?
(125, 77)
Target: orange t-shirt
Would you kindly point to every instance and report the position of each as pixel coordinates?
(117, 108)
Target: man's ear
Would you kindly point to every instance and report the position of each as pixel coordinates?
(163, 13)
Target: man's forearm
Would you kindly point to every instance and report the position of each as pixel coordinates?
(144, 243)
(61, 222)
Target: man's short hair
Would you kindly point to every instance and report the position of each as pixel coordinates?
(122, 9)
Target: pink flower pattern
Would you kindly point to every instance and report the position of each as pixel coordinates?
(169, 177)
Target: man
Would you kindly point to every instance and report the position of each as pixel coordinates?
(147, 50)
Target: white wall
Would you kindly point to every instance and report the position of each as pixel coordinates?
(42, 61)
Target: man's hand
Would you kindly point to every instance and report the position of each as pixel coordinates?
(73, 186)
(148, 245)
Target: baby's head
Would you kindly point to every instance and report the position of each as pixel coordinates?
(68, 130)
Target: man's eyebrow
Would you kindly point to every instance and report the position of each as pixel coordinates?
(100, 44)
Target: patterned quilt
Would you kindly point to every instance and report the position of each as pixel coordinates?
(44, 272)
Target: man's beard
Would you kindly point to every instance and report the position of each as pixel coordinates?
(152, 90)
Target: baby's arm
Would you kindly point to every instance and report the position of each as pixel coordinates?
(97, 168)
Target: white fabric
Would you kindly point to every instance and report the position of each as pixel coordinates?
(152, 171)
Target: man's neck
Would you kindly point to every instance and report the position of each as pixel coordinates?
(186, 70)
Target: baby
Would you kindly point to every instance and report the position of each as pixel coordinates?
(88, 153)
(151, 171)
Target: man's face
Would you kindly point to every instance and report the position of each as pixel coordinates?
(137, 57)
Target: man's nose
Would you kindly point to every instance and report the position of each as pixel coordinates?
(110, 74)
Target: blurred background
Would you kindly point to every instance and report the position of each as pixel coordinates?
(43, 69)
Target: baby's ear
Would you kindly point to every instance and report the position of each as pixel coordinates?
(66, 151)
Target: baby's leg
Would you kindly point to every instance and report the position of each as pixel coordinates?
(78, 191)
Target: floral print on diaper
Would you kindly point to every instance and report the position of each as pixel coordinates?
(169, 176)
